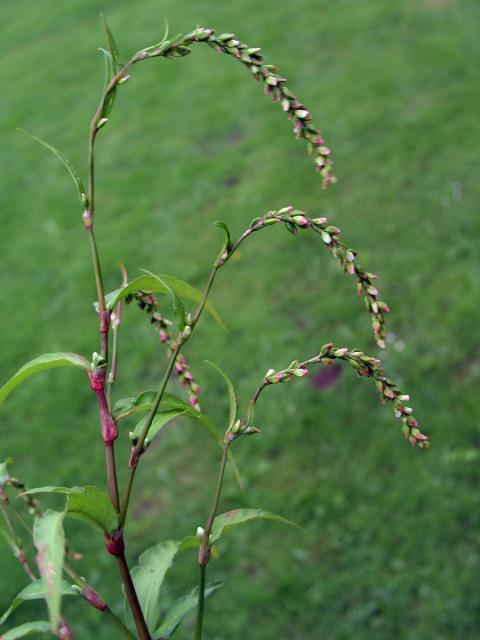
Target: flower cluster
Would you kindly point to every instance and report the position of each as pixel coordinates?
(295, 219)
(365, 366)
(148, 303)
(274, 84)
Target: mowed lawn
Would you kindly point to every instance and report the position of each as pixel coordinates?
(393, 533)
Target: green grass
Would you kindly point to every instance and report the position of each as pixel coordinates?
(392, 549)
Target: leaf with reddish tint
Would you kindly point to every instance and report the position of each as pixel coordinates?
(49, 539)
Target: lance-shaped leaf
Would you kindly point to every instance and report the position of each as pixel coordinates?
(148, 578)
(175, 614)
(112, 45)
(237, 517)
(26, 629)
(82, 194)
(42, 363)
(227, 238)
(36, 591)
(144, 402)
(161, 419)
(88, 504)
(232, 396)
(154, 283)
(227, 242)
(109, 73)
(178, 308)
(49, 539)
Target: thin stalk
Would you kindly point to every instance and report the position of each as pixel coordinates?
(104, 319)
(201, 602)
(204, 551)
(83, 584)
(138, 448)
(119, 624)
(112, 475)
(206, 292)
(113, 367)
(132, 598)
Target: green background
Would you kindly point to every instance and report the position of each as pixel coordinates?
(393, 532)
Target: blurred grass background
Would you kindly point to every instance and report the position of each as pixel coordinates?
(392, 549)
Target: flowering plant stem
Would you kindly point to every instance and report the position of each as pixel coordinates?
(204, 551)
(109, 513)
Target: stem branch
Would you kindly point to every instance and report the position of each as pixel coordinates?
(204, 551)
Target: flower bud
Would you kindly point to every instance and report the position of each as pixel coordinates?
(300, 373)
(326, 237)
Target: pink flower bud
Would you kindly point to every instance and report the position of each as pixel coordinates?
(300, 373)
(115, 544)
(93, 598)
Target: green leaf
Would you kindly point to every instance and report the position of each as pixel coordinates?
(162, 41)
(175, 614)
(49, 539)
(36, 591)
(148, 578)
(82, 194)
(232, 396)
(42, 363)
(153, 283)
(144, 402)
(161, 419)
(109, 73)
(4, 475)
(178, 308)
(170, 402)
(227, 238)
(26, 629)
(88, 504)
(231, 519)
(227, 242)
(112, 45)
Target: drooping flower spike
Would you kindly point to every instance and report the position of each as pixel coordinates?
(365, 366)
